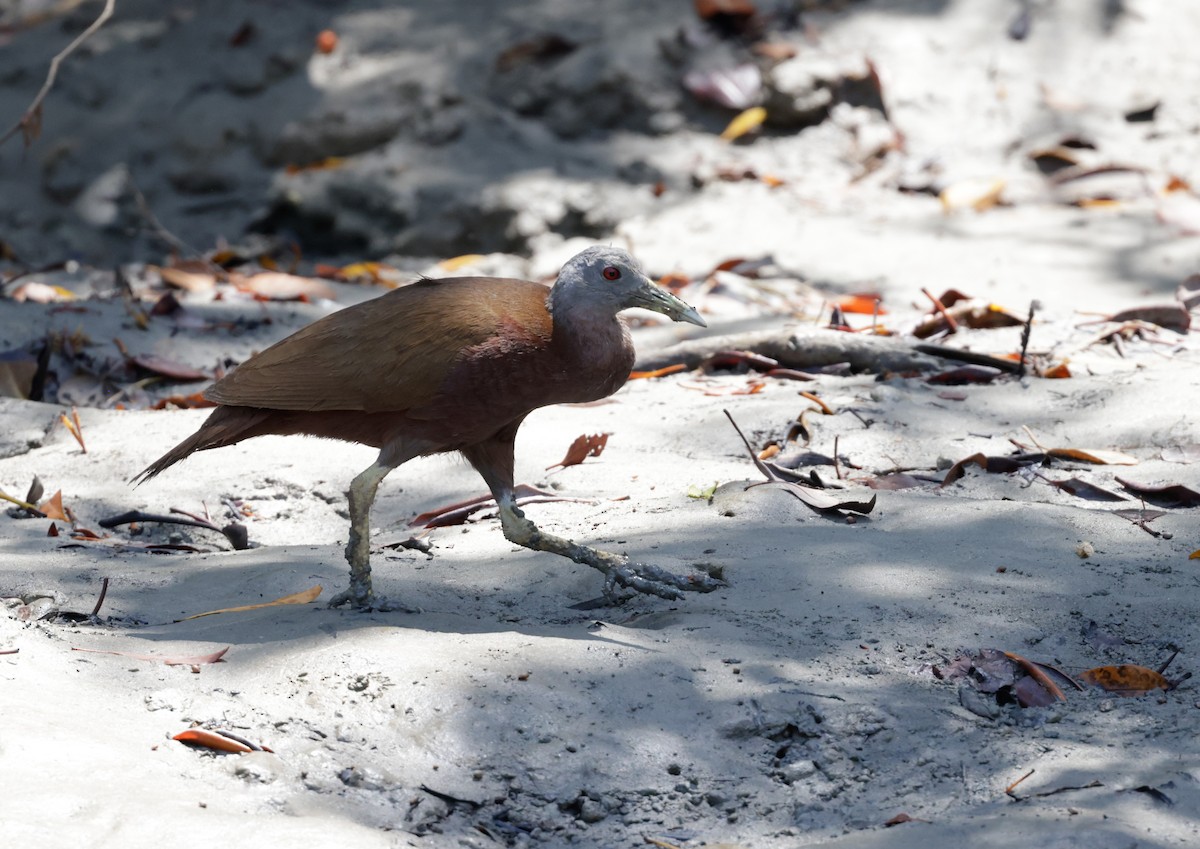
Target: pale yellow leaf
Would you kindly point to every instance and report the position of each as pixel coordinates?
(746, 122)
(304, 597)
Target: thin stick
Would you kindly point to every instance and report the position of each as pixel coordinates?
(836, 468)
(1009, 789)
(30, 125)
(951, 324)
(100, 601)
(1025, 333)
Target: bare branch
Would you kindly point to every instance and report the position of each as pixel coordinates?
(30, 125)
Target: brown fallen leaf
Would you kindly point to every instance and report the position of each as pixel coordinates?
(303, 597)
(1127, 679)
(1172, 494)
(1171, 316)
(587, 445)
(459, 512)
(978, 194)
(1000, 465)
(52, 508)
(1083, 489)
(168, 660)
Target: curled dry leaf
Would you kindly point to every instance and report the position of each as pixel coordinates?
(221, 741)
(1000, 465)
(1170, 494)
(588, 445)
(1127, 679)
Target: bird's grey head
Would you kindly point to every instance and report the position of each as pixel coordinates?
(609, 278)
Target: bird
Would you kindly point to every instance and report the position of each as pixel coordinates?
(446, 365)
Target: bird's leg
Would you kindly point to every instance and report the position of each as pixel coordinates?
(494, 462)
(619, 570)
(358, 549)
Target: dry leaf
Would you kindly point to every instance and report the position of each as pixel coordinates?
(1171, 316)
(1000, 465)
(1127, 679)
(861, 304)
(748, 121)
(280, 286)
(192, 660)
(588, 445)
(710, 8)
(1098, 456)
(1089, 491)
(1173, 493)
(188, 281)
(303, 597)
(459, 512)
(658, 372)
(41, 293)
(457, 263)
(52, 507)
(221, 741)
(978, 194)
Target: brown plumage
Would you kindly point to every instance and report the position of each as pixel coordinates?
(449, 365)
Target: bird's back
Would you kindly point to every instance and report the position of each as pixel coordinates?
(392, 353)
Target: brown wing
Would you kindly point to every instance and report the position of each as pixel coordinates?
(389, 354)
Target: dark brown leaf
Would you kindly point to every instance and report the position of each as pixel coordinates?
(1171, 316)
(1088, 491)
(1170, 495)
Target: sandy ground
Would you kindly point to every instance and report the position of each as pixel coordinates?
(798, 706)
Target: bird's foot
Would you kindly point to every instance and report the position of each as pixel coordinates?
(368, 601)
(620, 572)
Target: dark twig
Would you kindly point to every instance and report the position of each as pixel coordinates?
(234, 532)
(103, 593)
(1007, 366)
(1025, 332)
(30, 125)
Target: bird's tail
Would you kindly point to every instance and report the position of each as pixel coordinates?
(226, 426)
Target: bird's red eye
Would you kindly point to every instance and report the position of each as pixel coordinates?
(611, 272)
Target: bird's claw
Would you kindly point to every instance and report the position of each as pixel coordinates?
(368, 602)
(651, 580)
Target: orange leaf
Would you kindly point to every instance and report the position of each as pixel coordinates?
(588, 445)
(53, 507)
(1128, 679)
(861, 304)
(1094, 455)
(1057, 372)
(215, 740)
(658, 372)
